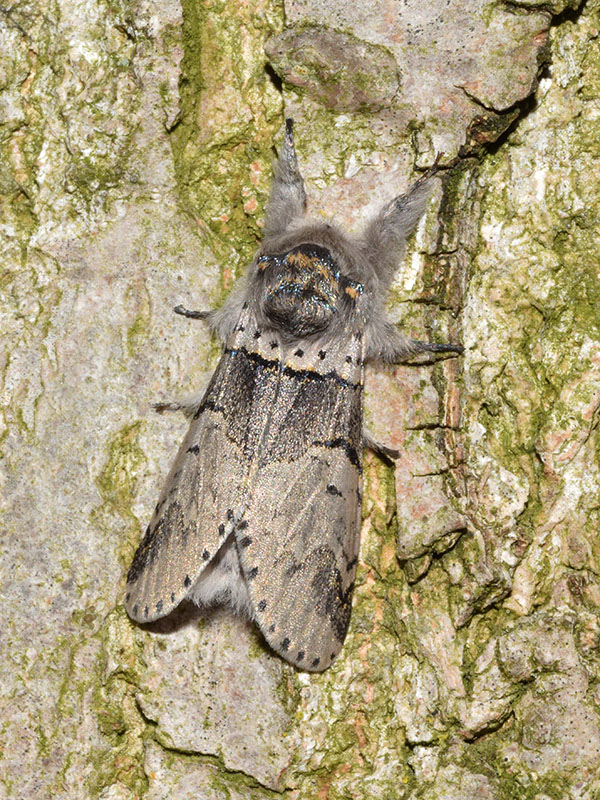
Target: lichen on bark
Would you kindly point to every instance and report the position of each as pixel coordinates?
(136, 145)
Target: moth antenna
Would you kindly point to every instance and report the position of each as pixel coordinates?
(287, 200)
(384, 239)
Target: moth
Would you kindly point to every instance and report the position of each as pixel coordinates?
(261, 510)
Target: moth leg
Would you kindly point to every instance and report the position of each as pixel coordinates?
(385, 343)
(434, 347)
(185, 312)
(386, 453)
(188, 409)
(188, 404)
(287, 200)
(219, 320)
(419, 351)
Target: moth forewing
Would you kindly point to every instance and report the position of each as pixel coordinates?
(299, 539)
(207, 487)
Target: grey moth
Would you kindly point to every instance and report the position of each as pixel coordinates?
(261, 510)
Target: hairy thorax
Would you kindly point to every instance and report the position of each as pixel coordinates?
(300, 290)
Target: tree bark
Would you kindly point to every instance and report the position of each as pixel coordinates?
(135, 142)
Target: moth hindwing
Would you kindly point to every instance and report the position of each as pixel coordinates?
(261, 509)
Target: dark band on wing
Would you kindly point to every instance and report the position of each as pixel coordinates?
(290, 372)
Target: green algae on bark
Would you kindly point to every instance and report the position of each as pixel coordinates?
(229, 113)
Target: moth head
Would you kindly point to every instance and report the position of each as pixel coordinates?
(301, 291)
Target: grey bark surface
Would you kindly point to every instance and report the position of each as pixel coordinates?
(135, 158)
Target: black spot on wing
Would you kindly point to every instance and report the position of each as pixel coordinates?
(262, 605)
(333, 490)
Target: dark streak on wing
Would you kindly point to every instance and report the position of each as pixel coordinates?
(312, 411)
(251, 377)
(333, 599)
